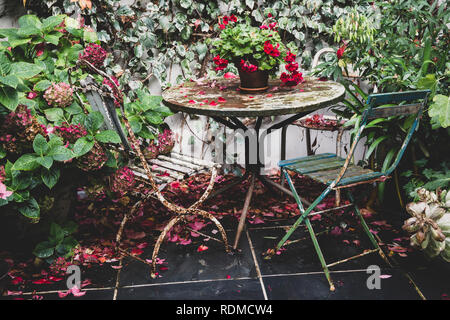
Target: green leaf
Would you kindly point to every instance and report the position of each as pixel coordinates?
(51, 22)
(54, 114)
(5, 64)
(427, 82)
(374, 145)
(135, 123)
(108, 136)
(44, 250)
(53, 38)
(82, 146)
(90, 36)
(61, 153)
(10, 80)
(46, 161)
(42, 85)
(30, 209)
(69, 243)
(74, 109)
(439, 111)
(25, 70)
(40, 145)
(9, 98)
(21, 196)
(70, 227)
(27, 162)
(93, 121)
(30, 20)
(56, 234)
(21, 180)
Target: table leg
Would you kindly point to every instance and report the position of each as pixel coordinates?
(243, 217)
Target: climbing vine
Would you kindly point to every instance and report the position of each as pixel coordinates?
(165, 40)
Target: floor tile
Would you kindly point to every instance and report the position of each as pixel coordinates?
(211, 290)
(349, 285)
(301, 256)
(184, 263)
(97, 294)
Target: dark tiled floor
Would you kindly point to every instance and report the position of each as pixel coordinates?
(240, 289)
(349, 285)
(184, 263)
(295, 274)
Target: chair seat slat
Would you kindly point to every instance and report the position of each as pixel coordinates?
(307, 158)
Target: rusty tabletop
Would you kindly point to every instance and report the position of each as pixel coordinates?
(222, 98)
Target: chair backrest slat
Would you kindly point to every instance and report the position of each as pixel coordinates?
(105, 105)
(378, 99)
(397, 110)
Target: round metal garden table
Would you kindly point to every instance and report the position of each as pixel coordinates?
(222, 100)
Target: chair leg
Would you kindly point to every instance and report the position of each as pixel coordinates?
(303, 216)
(367, 229)
(338, 197)
(304, 213)
(319, 253)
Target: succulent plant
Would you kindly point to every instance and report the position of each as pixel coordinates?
(19, 130)
(122, 181)
(166, 142)
(430, 223)
(59, 95)
(94, 54)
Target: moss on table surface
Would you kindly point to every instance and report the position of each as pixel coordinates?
(222, 97)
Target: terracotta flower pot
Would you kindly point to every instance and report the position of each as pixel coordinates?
(255, 81)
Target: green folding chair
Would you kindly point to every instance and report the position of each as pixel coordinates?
(337, 173)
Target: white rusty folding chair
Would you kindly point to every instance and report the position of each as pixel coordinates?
(177, 166)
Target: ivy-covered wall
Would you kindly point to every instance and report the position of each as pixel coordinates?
(156, 43)
(150, 39)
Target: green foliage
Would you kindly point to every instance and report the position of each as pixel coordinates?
(242, 41)
(439, 111)
(146, 113)
(395, 46)
(150, 37)
(430, 179)
(32, 57)
(60, 243)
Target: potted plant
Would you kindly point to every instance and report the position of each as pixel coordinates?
(256, 52)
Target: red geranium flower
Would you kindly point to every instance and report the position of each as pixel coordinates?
(271, 50)
(273, 26)
(264, 27)
(340, 52)
(291, 80)
(290, 57)
(248, 67)
(291, 67)
(221, 63)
